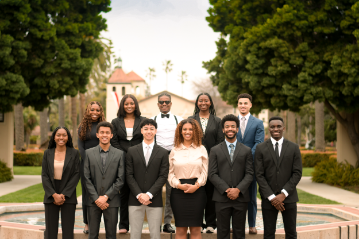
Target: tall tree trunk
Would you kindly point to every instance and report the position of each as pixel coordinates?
(62, 112)
(284, 116)
(310, 136)
(74, 120)
(44, 129)
(299, 129)
(82, 104)
(19, 126)
(291, 126)
(319, 127)
(27, 139)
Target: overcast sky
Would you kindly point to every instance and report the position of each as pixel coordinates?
(147, 32)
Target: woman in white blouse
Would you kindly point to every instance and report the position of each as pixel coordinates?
(187, 176)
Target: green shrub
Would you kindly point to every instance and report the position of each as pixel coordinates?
(28, 159)
(33, 139)
(334, 173)
(5, 173)
(312, 159)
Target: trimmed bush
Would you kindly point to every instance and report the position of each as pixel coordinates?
(28, 159)
(5, 173)
(334, 173)
(312, 159)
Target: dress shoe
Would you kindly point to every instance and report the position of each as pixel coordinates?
(122, 231)
(210, 230)
(252, 230)
(168, 228)
(86, 231)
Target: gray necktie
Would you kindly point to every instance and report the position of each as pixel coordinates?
(232, 152)
(148, 154)
(243, 125)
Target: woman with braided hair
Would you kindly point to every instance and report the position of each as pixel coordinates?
(87, 139)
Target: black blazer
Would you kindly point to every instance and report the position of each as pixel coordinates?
(70, 175)
(224, 174)
(213, 134)
(142, 179)
(104, 182)
(119, 139)
(271, 177)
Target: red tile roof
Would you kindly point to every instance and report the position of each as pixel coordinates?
(119, 76)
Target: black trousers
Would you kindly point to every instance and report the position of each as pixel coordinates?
(84, 199)
(110, 216)
(124, 219)
(227, 210)
(270, 214)
(210, 209)
(52, 212)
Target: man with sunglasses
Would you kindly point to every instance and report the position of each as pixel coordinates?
(166, 128)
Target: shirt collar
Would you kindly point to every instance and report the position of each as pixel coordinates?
(246, 116)
(169, 113)
(184, 147)
(228, 143)
(280, 142)
(145, 145)
(101, 150)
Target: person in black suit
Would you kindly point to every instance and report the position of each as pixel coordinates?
(205, 114)
(126, 133)
(278, 166)
(60, 175)
(104, 177)
(146, 172)
(231, 172)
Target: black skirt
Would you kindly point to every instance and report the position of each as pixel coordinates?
(188, 208)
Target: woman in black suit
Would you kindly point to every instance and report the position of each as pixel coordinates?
(205, 114)
(126, 133)
(60, 175)
(87, 139)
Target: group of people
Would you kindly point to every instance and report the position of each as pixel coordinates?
(210, 167)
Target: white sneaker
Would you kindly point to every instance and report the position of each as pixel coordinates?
(210, 230)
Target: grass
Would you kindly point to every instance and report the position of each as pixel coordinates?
(30, 194)
(27, 170)
(307, 172)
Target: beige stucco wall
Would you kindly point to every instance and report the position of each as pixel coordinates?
(345, 150)
(7, 139)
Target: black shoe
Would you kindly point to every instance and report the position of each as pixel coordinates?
(168, 228)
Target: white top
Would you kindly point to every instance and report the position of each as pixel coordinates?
(166, 129)
(247, 118)
(129, 132)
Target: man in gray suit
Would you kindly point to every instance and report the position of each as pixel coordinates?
(104, 174)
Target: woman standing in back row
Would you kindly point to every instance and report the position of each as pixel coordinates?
(210, 124)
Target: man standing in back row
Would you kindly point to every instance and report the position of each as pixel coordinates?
(166, 128)
(251, 133)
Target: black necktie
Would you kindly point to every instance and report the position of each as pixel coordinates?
(165, 115)
(277, 151)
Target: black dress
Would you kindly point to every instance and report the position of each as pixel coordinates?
(90, 142)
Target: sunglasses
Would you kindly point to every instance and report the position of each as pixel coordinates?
(164, 101)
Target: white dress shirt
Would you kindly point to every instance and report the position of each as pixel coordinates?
(166, 129)
(280, 143)
(247, 118)
(144, 146)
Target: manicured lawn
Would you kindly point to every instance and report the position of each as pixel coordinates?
(307, 172)
(33, 193)
(27, 170)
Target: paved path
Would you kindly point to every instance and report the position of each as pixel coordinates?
(333, 193)
(19, 182)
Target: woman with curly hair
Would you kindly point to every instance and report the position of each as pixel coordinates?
(60, 175)
(187, 176)
(87, 139)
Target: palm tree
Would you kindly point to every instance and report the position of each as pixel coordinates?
(31, 120)
(168, 68)
(151, 75)
(19, 126)
(183, 78)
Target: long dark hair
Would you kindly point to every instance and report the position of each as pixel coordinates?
(86, 123)
(212, 111)
(52, 143)
(197, 132)
(121, 110)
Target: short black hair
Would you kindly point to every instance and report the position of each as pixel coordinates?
(245, 95)
(275, 118)
(104, 124)
(164, 94)
(148, 122)
(230, 117)
(121, 110)
(52, 143)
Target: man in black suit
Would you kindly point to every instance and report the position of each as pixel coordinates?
(147, 169)
(278, 166)
(231, 172)
(104, 177)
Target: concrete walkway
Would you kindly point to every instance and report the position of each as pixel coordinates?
(19, 182)
(329, 192)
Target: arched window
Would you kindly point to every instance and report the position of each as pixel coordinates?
(137, 90)
(123, 90)
(114, 89)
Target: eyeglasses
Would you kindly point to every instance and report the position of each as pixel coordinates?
(164, 101)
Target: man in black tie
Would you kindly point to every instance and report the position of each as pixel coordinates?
(278, 166)
(231, 172)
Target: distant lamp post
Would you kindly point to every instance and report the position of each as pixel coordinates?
(2, 117)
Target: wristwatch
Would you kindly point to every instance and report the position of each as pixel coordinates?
(105, 196)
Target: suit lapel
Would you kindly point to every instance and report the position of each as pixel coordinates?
(67, 158)
(239, 134)
(226, 153)
(123, 126)
(153, 154)
(196, 117)
(236, 151)
(210, 122)
(141, 153)
(110, 157)
(282, 152)
(248, 126)
(271, 150)
(136, 124)
(98, 157)
(51, 163)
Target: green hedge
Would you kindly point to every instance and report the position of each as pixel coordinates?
(5, 173)
(28, 159)
(334, 173)
(312, 159)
